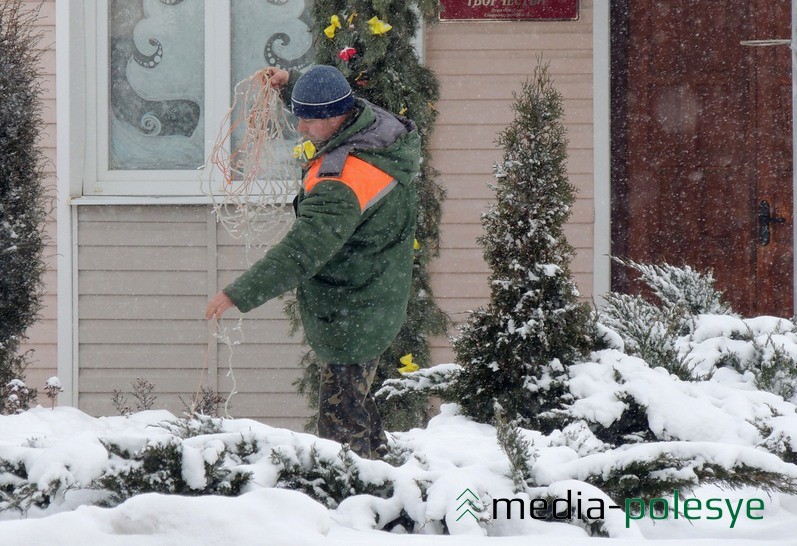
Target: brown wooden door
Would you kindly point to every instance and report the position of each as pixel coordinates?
(701, 135)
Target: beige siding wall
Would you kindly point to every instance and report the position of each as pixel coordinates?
(144, 277)
(42, 336)
(480, 64)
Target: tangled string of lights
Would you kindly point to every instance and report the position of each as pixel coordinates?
(251, 177)
(251, 174)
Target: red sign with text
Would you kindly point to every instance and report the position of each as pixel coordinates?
(513, 10)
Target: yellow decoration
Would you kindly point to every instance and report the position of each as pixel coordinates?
(332, 28)
(409, 366)
(350, 20)
(378, 26)
(416, 245)
(305, 150)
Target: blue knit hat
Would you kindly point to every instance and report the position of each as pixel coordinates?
(321, 92)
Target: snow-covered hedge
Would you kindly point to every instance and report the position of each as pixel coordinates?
(722, 430)
(720, 411)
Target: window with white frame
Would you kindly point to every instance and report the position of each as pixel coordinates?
(160, 77)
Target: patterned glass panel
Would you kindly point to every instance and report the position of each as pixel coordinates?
(269, 33)
(156, 78)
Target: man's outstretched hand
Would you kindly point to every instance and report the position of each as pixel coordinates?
(217, 305)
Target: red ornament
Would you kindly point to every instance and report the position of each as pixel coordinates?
(347, 53)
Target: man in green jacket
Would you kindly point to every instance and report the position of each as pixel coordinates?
(349, 254)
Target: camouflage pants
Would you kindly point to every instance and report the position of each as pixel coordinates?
(347, 411)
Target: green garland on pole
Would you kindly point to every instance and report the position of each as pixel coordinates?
(372, 43)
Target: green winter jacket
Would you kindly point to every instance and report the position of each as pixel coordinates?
(349, 254)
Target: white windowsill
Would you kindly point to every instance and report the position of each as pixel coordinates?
(141, 200)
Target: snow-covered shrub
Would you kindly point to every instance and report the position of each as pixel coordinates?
(420, 385)
(327, 480)
(17, 492)
(703, 432)
(691, 394)
(18, 396)
(780, 436)
(172, 465)
(657, 469)
(762, 347)
(52, 388)
(22, 198)
(641, 428)
(515, 352)
(681, 287)
(517, 449)
(774, 365)
(199, 425)
(691, 332)
(187, 457)
(650, 330)
(646, 432)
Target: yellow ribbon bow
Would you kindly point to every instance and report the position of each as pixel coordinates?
(409, 366)
(332, 28)
(305, 150)
(378, 26)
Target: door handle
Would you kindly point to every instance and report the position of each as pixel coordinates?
(765, 219)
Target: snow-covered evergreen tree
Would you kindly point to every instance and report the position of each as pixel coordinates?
(515, 352)
(372, 43)
(22, 200)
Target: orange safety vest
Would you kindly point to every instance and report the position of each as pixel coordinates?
(367, 182)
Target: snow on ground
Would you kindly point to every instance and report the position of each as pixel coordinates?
(457, 454)
(718, 421)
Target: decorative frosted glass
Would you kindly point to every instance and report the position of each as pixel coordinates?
(269, 33)
(156, 78)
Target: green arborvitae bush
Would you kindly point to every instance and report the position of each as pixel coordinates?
(515, 352)
(22, 199)
(387, 71)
